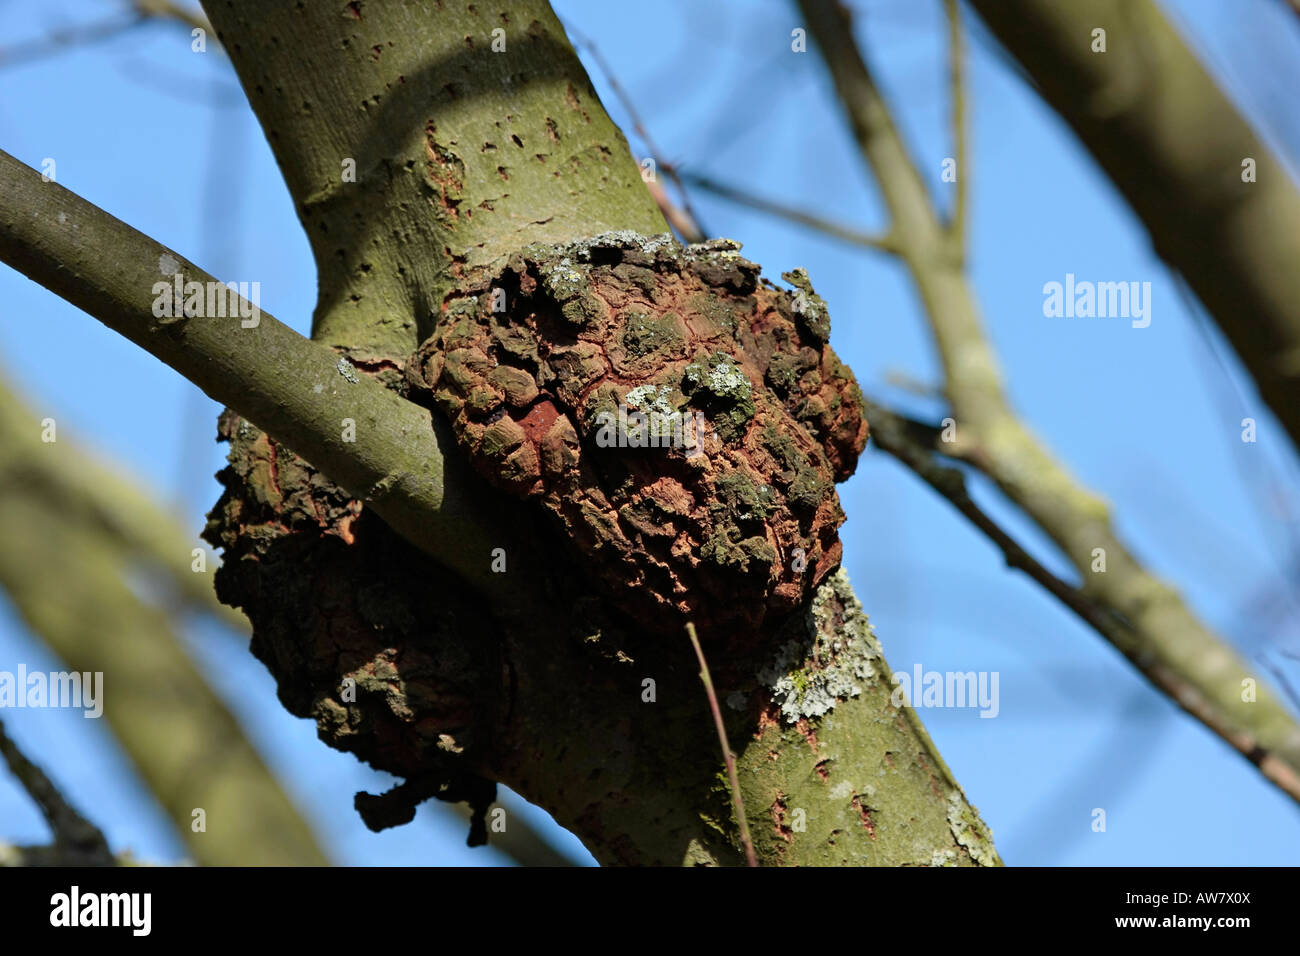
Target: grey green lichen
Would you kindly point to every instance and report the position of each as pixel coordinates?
(569, 286)
(808, 677)
(347, 370)
(969, 831)
(718, 382)
(645, 334)
(808, 306)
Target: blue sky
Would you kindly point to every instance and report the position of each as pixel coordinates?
(1149, 418)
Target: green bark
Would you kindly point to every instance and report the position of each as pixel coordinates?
(1157, 632)
(385, 450)
(467, 146)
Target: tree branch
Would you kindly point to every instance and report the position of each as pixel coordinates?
(960, 133)
(683, 219)
(105, 499)
(443, 121)
(793, 214)
(1165, 631)
(914, 444)
(70, 584)
(402, 462)
(74, 835)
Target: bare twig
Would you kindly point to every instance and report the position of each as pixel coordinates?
(1195, 663)
(683, 218)
(793, 214)
(913, 444)
(142, 11)
(168, 10)
(727, 755)
(60, 41)
(678, 216)
(74, 835)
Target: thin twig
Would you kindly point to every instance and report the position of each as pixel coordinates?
(957, 80)
(66, 39)
(142, 11)
(73, 833)
(912, 443)
(1169, 644)
(727, 755)
(166, 9)
(833, 229)
(683, 219)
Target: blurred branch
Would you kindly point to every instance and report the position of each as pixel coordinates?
(65, 562)
(141, 12)
(75, 483)
(103, 504)
(76, 840)
(1203, 672)
(1175, 146)
(792, 214)
(168, 10)
(915, 445)
(60, 41)
(957, 95)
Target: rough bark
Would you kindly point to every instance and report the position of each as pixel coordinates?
(397, 664)
(685, 421)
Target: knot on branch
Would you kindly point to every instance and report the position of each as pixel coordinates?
(683, 419)
(363, 633)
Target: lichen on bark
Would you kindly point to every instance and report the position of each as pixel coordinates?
(683, 419)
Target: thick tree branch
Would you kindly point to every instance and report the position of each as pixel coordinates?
(467, 150)
(1165, 631)
(464, 154)
(429, 151)
(401, 461)
(1176, 147)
